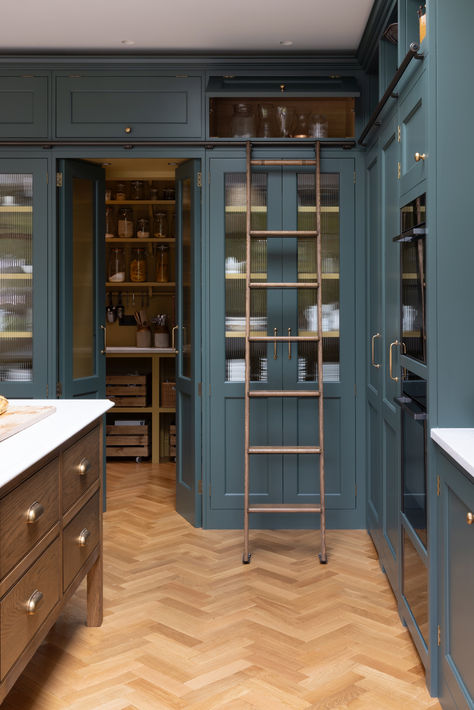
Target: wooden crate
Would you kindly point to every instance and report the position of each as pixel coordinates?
(168, 395)
(172, 429)
(172, 439)
(127, 390)
(127, 440)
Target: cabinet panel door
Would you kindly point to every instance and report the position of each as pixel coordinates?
(24, 107)
(128, 106)
(413, 135)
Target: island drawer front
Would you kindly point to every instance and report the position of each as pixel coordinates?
(18, 626)
(85, 453)
(38, 498)
(75, 554)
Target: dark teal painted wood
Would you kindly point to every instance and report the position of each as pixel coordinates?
(24, 107)
(188, 400)
(153, 106)
(456, 580)
(94, 386)
(37, 388)
(413, 128)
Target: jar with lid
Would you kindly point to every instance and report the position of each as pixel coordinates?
(116, 265)
(162, 264)
(143, 227)
(160, 225)
(154, 192)
(318, 125)
(267, 126)
(121, 191)
(137, 190)
(125, 222)
(138, 265)
(243, 121)
(168, 193)
(161, 336)
(109, 222)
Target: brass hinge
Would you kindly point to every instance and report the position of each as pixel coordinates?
(439, 636)
(199, 179)
(399, 171)
(437, 486)
(47, 178)
(200, 487)
(399, 134)
(59, 389)
(199, 389)
(354, 177)
(59, 179)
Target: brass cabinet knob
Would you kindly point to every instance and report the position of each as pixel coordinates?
(128, 129)
(470, 518)
(84, 466)
(419, 156)
(282, 87)
(83, 537)
(34, 512)
(34, 602)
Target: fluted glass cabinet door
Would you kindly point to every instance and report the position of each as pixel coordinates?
(23, 278)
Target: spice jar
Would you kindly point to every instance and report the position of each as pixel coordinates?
(160, 224)
(137, 190)
(138, 265)
(116, 265)
(125, 222)
(161, 336)
(109, 223)
(143, 227)
(143, 337)
(121, 191)
(153, 192)
(162, 264)
(168, 193)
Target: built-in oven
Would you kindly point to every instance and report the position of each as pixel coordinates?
(413, 278)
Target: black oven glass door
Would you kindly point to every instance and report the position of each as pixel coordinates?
(413, 292)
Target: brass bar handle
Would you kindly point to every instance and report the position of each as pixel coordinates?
(374, 364)
(84, 466)
(173, 338)
(289, 344)
(34, 512)
(83, 537)
(104, 329)
(275, 354)
(419, 156)
(392, 345)
(470, 518)
(33, 603)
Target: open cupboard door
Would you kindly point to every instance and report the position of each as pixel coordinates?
(81, 188)
(187, 338)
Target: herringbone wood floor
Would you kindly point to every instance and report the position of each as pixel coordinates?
(187, 626)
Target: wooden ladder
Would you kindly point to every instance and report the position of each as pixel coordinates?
(249, 339)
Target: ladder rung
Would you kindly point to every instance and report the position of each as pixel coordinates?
(303, 161)
(295, 284)
(285, 508)
(283, 338)
(264, 233)
(284, 393)
(284, 450)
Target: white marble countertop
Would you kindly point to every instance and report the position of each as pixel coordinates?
(24, 449)
(459, 444)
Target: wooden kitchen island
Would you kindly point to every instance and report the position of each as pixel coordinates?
(50, 525)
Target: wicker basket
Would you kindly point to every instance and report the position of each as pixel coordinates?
(168, 395)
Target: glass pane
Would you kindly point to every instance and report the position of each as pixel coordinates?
(415, 585)
(235, 265)
(186, 277)
(16, 277)
(307, 298)
(83, 321)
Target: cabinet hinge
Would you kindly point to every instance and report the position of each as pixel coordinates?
(199, 389)
(59, 389)
(199, 179)
(439, 636)
(47, 391)
(399, 134)
(47, 178)
(200, 487)
(354, 177)
(59, 179)
(437, 486)
(399, 171)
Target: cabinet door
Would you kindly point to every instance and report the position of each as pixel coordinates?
(111, 106)
(24, 107)
(23, 278)
(456, 587)
(413, 135)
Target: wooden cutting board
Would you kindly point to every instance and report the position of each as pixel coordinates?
(17, 418)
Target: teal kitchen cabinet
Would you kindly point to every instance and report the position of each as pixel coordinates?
(138, 106)
(24, 106)
(281, 199)
(24, 277)
(456, 585)
(413, 134)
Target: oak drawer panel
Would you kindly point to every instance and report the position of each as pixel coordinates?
(81, 467)
(75, 550)
(17, 535)
(18, 626)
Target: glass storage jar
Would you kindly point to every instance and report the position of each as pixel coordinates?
(243, 121)
(109, 223)
(116, 265)
(318, 125)
(160, 225)
(267, 125)
(121, 191)
(137, 190)
(143, 228)
(162, 264)
(138, 265)
(153, 192)
(125, 222)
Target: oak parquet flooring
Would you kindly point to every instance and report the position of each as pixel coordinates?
(188, 627)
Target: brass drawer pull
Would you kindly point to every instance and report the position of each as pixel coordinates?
(470, 518)
(374, 364)
(34, 602)
(420, 156)
(392, 345)
(34, 512)
(82, 539)
(84, 466)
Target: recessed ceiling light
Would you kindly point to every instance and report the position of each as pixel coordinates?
(105, 165)
(173, 164)
(127, 42)
(286, 42)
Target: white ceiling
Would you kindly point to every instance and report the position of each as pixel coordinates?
(209, 26)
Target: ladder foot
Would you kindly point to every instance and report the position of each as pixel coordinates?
(246, 560)
(323, 560)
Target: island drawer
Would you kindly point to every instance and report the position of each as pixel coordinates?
(80, 538)
(38, 589)
(81, 467)
(26, 515)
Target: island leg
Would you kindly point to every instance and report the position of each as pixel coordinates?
(95, 593)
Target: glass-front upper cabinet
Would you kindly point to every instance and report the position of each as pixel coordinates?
(23, 278)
